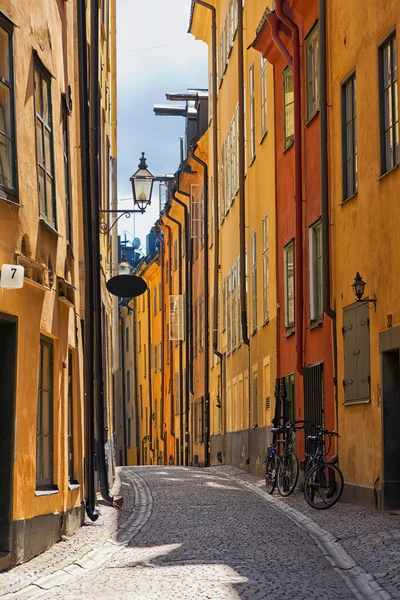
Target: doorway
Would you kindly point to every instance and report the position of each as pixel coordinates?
(8, 363)
(391, 428)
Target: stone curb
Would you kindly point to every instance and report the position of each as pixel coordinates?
(94, 558)
(362, 584)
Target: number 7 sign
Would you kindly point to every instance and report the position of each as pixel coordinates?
(12, 277)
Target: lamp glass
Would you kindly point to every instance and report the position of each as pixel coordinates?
(124, 268)
(142, 185)
(358, 286)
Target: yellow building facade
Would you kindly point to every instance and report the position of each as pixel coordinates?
(364, 182)
(43, 426)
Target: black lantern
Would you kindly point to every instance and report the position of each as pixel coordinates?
(358, 286)
(142, 185)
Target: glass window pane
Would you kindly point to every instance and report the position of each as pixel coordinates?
(388, 107)
(49, 197)
(46, 470)
(45, 425)
(39, 142)
(46, 103)
(6, 162)
(5, 110)
(45, 382)
(47, 148)
(38, 94)
(4, 55)
(42, 201)
(386, 65)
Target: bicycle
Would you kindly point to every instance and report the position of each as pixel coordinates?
(288, 468)
(272, 460)
(323, 481)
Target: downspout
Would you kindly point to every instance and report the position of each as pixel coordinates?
(171, 348)
(150, 368)
(123, 387)
(187, 332)
(181, 433)
(114, 181)
(214, 100)
(298, 176)
(326, 263)
(161, 240)
(242, 206)
(136, 371)
(94, 121)
(206, 313)
(87, 216)
(189, 258)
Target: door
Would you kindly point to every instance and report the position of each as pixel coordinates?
(391, 428)
(313, 398)
(8, 362)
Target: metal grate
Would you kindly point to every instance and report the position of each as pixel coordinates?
(313, 398)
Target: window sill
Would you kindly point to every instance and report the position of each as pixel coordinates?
(264, 135)
(49, 226)
(290, 145)
(74, 486)
(395, 168)
(349, 198)
(49, 491)
(290, 331)
(265, 322)
(252, 161)
(312, 117)
(315, 324)
(10, 199)
(353, 402)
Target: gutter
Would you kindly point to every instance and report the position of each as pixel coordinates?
(206, 313)
(150, 368)
(181, 434)
(123, 388)
(135, 368)
(161, 239)
(87, 237)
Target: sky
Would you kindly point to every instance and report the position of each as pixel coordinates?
(156, 55)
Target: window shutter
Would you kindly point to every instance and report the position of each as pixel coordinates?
(196, 211)
(363, 358)
(356, 381)
(176, 322)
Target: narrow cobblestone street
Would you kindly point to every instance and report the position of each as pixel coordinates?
(203, 534)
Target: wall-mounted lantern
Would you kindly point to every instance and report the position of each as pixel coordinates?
(358, 286)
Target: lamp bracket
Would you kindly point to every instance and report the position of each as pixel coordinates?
(367, 301)
(103, 227)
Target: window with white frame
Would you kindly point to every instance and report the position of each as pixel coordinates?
(315, 250)
(176, 318)
(239, 308)
(195, 328)
(388, 91)
(222, 184)
(228, 313)
(155, 300)
(233, 157)
(233, 308)
(228, 170)
(212, 209)
(252, 114)
(288, 107)
(231, 21)
(236, 186)
(265, 258)
(223, 305)
(263, 95)
(201, 322)
(227, 40)
(349, 137)
(312, 72)
(254, 281)
(289, 285)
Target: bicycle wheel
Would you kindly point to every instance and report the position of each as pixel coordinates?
(271, 472)
(288, 473)
(323, 485)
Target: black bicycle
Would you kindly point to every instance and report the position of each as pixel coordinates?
(323, 480)
(272, 461)
(288, 468)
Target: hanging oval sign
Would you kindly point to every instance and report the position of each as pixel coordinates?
(126, 286)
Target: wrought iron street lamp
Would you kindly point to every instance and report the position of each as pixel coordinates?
(358, 286)
(142, 186)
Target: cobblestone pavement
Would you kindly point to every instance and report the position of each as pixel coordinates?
(203, 534)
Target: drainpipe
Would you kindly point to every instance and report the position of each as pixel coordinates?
(150, 368)
(187, 320)
(136, 371)
(242, 207)
(161, 239)
(94, 124)
(206, 313)
(298, 177)
(87, 216)
(323, 120)
(181, 434)
(123, 342)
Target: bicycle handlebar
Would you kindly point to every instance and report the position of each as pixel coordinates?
(323, 431)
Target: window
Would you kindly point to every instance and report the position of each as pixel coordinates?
(129, 433)
(356, 335)
(8, 155)
(44, 144)
(139, 336)
(254, 386)
(167, 271)
(263, 95)
(223, 306)
(201, 322)
(44, 426)
(71, 477)
(228, 164)
(160, 296)
(289, 285)
(237, 149)
(389, 104)
(128, 385)
(222, 184)
(312, 72)
(141, 400)
(67, 181)
(196, 328)
(177, 398)
(175, 254)
(127, 339)
(239, 308)
(155, 300)
(233, 306)
(212, 209)
(233, 158)
(265, 259)
(252, 114)
(176, 317)
(288, 107)
(349, 137)
(254, 281)
(315, 250)
(228, 313)
(144, 361)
